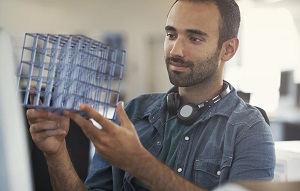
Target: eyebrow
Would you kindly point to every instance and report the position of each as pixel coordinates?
(170, 28)
(198, 32)
(192, 31)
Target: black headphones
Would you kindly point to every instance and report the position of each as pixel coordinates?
(188, 113)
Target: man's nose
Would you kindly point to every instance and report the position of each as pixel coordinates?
(177, 48)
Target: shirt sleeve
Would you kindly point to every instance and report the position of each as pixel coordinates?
(254, 156)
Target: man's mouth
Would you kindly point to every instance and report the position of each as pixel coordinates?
(176, 64)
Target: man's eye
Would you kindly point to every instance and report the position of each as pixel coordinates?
(194, 39)
(171, 36)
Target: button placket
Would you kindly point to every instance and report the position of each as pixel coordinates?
(184, 145)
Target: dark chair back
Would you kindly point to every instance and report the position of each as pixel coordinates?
(264, 114)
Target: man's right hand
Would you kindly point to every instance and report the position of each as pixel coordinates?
(48, 130)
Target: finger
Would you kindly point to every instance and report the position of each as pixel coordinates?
(31, 97)
(122, 116)
(50, 133)
(104, 122)
(34, 115)
(55, 117)
(43, 126)
(46, 133)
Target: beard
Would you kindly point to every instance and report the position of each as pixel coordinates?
(201, 70)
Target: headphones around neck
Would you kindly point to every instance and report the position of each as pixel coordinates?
(188, 113)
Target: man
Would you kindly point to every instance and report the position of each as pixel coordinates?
(197, 136)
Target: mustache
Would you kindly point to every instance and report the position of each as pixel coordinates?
(178, 60)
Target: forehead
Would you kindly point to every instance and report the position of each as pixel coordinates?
(194, 15)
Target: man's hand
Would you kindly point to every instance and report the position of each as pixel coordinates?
(120, 145)
(48, 131)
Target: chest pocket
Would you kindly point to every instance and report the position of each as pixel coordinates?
(208, 170)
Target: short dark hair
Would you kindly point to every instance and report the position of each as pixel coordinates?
(230, 18)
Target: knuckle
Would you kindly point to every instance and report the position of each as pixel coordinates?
(32, 128)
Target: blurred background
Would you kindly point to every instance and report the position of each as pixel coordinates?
(265, 70)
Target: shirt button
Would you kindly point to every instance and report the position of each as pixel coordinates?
(179, 170)
(186, 138)
(219, 173)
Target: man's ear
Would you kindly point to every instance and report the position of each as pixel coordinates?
(229, 49)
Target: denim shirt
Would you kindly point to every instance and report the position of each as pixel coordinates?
(231, 141)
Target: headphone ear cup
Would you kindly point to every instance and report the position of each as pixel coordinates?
(173, 102)
(188, 113)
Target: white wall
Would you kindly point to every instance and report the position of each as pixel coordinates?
(137, 20)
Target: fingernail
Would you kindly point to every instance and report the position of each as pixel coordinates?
(81, 106)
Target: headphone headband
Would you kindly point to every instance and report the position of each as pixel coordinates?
(188, 112)
(209, 103)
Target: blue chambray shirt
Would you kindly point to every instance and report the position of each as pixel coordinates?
(230, 141)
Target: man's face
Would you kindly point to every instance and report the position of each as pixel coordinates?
(191, 43)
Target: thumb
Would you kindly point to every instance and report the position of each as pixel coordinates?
(122, 116)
